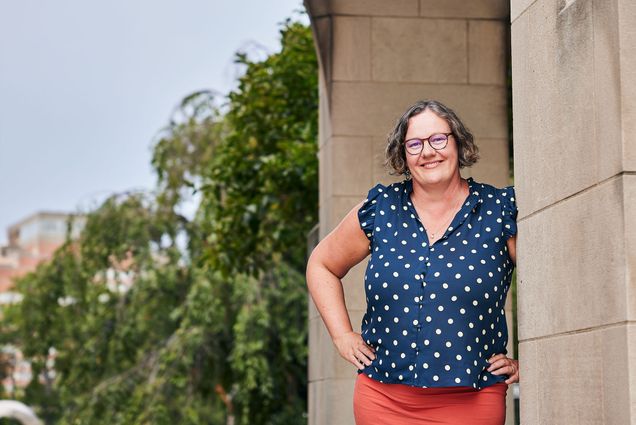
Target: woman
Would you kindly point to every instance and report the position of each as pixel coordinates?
(432, 347)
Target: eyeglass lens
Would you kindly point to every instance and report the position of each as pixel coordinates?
(437, 141)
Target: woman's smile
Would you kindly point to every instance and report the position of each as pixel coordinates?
(431, 164)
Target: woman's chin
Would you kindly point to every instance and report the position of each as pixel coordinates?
(431, 176)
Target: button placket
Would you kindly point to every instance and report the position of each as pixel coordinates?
(420, 313)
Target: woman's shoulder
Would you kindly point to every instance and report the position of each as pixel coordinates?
(489, 191)
(501, 199)
(379, 197)
(386, 190)
(499, 204)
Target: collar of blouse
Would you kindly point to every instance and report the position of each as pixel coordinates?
(474, 198)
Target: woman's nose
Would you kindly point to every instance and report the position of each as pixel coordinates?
(427, 150)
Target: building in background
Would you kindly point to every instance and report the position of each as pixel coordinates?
(32, 241)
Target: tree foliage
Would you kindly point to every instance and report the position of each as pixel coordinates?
(263, 182)
(213, 328)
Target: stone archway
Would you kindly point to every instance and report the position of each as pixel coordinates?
(376, 58)
(574, 107)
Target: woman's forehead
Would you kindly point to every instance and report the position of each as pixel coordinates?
(427, 123)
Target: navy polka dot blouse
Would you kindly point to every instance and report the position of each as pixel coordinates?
(435, 314)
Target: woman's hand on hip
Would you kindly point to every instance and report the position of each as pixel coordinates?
(352, 348)
(500, 364)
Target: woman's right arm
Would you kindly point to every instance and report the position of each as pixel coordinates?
(329, 262)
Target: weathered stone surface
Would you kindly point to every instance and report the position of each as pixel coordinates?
(518, 7)
(492, 167)
(352, 162)
(627, 42)
(419, 50)
(572, 273)
(374, 7)
(529, 375)
(371, 109)
(352, 48)
(570, 379)
(487, 52)
(618, 344)
(488, 9)
(578, 378)
(567, 124)
(332, 393)
(629, 218)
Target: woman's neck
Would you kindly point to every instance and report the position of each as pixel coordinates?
(436, 198)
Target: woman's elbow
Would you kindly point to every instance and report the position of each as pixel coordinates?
(314, 264)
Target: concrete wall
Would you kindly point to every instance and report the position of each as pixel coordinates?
(377, 57)
(574, 97)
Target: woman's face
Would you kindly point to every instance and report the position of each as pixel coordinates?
(442, 165)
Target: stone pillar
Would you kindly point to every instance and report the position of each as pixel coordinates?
(377, 57)
(574, 97)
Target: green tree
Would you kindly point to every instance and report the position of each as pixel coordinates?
(213, 329)
(261, 194)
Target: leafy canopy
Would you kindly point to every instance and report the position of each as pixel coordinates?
(155, 318)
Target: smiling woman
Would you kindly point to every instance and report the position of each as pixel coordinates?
(432, 347)
(467, 150)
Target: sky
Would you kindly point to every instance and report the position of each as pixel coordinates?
(85, 86)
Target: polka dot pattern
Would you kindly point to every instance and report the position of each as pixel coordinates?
(435, 314)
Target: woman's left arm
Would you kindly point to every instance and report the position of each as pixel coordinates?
(512, 248)
(499, 362)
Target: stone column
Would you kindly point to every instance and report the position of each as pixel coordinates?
(377, 57)
(574, 97)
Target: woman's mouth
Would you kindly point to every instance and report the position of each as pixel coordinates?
(431, 164)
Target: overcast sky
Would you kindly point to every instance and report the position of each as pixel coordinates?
(86, 85)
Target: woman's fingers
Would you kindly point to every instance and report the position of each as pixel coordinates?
(367, 351)
(514, 375)
(364, 355)
(496, 364)
(501, 366)
(497, 357)
(504, 365)
(353, 348)
(356, 362)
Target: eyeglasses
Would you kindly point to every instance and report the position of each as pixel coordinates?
(437, 141)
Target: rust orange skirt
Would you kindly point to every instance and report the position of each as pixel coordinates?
(376, 403)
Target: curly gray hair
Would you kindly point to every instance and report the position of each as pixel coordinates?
(395, 157)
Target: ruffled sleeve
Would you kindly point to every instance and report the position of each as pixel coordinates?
(366, 213)
(509, 211)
